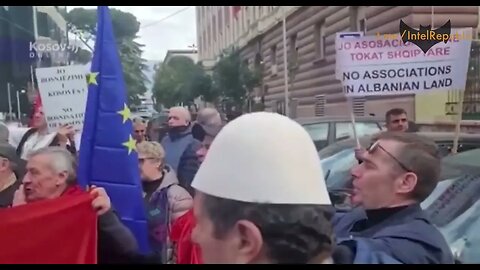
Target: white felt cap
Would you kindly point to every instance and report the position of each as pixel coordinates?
(263, 158)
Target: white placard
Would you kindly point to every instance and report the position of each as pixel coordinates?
(64, 95)
(385, 65)
(343, 36)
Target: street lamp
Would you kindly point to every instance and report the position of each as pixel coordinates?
(23, 91)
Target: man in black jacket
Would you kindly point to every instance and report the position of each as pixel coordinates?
(51, 174)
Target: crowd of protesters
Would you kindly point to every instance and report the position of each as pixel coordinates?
(250, 191)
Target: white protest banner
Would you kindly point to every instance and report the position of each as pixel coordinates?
(343, 35)
(64, 95)
(385, 65)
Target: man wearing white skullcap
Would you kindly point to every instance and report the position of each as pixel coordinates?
(261, 196)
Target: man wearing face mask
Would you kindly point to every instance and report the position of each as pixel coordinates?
(181, 147)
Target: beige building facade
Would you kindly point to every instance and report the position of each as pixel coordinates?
(310, 42)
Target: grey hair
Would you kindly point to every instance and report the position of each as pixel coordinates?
(184, 111)
(61, 161)
(139, 120)
(209, 116)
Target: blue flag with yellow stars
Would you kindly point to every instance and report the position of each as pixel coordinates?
(108, 158)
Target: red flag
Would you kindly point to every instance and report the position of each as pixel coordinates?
(181, 233)
(235, 10)
(57, 231)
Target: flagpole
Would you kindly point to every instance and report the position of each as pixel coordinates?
(285, 64)
(33, 79)
(35, 31)
(9, 93)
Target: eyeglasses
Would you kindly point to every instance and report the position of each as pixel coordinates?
(376, 145)
(142, 160)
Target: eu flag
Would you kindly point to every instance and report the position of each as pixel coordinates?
(107, 157)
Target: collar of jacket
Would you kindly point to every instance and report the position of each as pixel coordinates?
(73, 190)
(175, 135)
(169, 177)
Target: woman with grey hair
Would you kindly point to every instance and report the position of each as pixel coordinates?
(165, 199)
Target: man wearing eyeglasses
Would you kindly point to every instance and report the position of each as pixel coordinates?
(398, 171)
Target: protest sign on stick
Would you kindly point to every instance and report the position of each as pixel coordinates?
(338, 75)
(385, 65)
(64, 95)
(458, 123)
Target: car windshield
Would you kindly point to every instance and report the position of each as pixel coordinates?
(337, 169)
(344, 130)
(454, 205)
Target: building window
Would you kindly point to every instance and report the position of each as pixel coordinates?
(214, 28)
(220, 22)
(319, 39)
(247, 15)
(273, 54)
(362, 25)
(42, 24)
(209, 37)
(245, 63)
(358, 19)
(293, 50)
(227, 15)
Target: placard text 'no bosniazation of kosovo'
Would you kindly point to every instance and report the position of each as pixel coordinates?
(64, 95)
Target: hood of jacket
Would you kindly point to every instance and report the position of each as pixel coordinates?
(169, 177)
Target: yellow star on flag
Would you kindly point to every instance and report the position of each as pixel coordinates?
(126, 113)
(131, 144)
(92, 78)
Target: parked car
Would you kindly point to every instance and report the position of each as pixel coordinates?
(454, 205)
(444, 140)
(328, 130)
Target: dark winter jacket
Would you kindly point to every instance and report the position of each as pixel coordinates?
(180, 154)
(406, 236)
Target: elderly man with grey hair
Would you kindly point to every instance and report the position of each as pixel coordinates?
(51, 174)
(180, 146)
